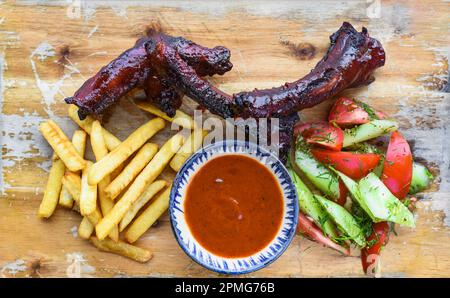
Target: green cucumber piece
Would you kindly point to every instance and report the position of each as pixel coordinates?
(344, 220)
(383, 205)
(367, 131)
(324, 179)
(421, 178)
(311, 207)
(355, 193)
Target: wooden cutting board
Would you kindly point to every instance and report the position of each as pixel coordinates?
(48, 50)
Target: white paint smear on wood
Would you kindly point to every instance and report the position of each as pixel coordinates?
(20, 137)
(92, 31)
(12, 268)
(285, 9)
(78, 266)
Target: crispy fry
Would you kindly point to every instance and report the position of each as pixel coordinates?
(100, 151)
(191, 145)
(79, 142)
(62, 146)
(53, 188)
(180, 118)
(88, 223)
(95, 216)
(98, 141)
(135, 166)
(111, 141)
(148, 175)
(114, 158)
(85, 229)
(88, 196)
(73, 184)
(118, 170)
(148, 217)
(65, 198)
(146, 196)
(124, 249)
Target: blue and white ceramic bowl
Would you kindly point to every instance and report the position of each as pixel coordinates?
(233, 265)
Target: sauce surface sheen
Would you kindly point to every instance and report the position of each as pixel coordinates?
(233, 206)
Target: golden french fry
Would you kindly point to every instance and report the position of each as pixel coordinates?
(95, 216)
(148, 193)
(62, 146)
(180, 118)
(79, 142)
(124, 249)
(88, 223)
(98, 141)
(135, 166)
(65, 198)
(148, 175)
(114, 158)
(118, 170)
(111, 141)
(88, 195)
(100, 151)
(53, 188)
(72, 182)
(86, 228)
(148, 217)
(192, 144)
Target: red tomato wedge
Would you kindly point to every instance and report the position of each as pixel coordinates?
(309, 229)
(376, 241)
(343, 192)
(397, 171)
(347, 113)
(321, 134)
(354, 165)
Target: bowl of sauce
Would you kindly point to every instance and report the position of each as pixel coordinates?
(233, 207)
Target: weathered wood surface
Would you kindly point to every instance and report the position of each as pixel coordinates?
(271, 42)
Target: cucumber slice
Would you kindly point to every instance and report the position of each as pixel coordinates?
(367, 131)
(421, 178)
(320, 176)
(344, 220)
(353, 188)
(383, 205)
(311, 207)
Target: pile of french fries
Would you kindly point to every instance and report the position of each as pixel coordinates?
(119, 191)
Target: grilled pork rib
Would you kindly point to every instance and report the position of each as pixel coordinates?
(170, 67)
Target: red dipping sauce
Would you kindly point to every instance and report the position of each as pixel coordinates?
(233, 206)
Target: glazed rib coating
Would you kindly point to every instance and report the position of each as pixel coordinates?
(113, 81)
(170, 67)
(349, 62)
(133, 69)
(165, 96)
(168, 64)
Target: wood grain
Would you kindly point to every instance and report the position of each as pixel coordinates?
(270, 42)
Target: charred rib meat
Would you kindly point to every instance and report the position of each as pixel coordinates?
(133, 69)
(170, 67)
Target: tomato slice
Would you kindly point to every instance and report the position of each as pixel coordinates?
(354, 165)
(343, 192)
(309, 229)
(375, 242)
(397, 171)
(321, 134)
(347, 113)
